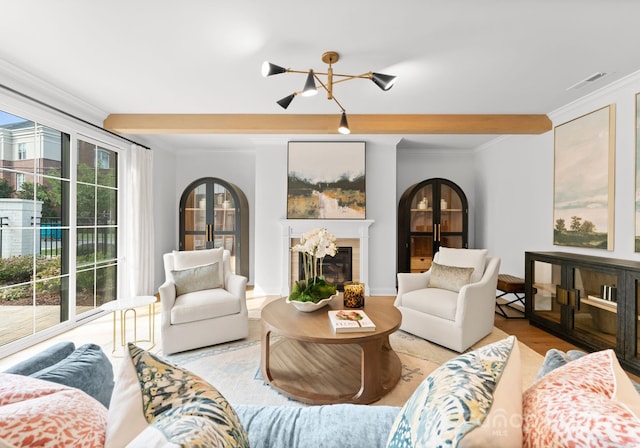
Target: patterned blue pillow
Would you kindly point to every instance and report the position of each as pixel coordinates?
(474, 399)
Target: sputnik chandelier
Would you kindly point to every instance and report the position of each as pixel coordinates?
(385, 82)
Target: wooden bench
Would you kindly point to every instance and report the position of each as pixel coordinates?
(510, 284)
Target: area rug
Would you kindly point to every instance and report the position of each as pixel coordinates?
(234, 368)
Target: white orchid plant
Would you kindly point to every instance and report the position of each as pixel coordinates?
(314, 246)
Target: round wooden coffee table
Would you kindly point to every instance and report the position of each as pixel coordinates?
(303, 357)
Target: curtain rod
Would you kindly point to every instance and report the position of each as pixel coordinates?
(82, 120)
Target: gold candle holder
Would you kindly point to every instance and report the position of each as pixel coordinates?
(353, 295)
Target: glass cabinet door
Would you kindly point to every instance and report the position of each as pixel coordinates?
(195, 219)
(547, 278)
(452, 218)
(596, 312)
(421, 228)
(210, 217)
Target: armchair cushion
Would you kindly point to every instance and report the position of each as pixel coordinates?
(197, 278)
(203, 305)
(451, 278)
(475, 258)
(433, 301)
(191, 258)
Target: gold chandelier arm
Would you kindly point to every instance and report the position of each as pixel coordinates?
(350, 77)
(305, 72)
(329, 92)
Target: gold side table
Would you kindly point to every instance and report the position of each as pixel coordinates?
(123, 306)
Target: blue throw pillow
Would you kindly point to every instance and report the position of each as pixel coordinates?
(87, 368)
(47, 357)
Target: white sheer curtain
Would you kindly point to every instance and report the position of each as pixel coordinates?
(139, 233)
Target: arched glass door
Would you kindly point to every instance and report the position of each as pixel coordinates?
(215, 213)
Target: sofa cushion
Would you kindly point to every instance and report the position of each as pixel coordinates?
(197, 278)
(451, 278)
(167, 404)
(433, 301)
(43, 359)
(35, 412)
(202, 305)
(474, 400)
(183, 259)
(327, 426)
(86, 368)
(474, 258)
(588, 402)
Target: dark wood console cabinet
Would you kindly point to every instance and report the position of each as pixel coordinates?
(589, 301)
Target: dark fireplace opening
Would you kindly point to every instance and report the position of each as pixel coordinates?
(337, 269)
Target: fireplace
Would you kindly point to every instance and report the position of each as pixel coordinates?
(352, 233)
(337, 270)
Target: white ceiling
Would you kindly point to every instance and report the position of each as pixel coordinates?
(203, 56)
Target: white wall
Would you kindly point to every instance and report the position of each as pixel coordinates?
(514, 181)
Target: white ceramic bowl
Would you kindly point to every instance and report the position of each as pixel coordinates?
(308, 307)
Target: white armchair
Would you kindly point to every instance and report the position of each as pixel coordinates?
(455, 320)
(200, 304)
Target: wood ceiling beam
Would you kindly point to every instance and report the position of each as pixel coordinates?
(326, 124)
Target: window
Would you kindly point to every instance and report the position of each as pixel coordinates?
(96, 217)
(32, 257)
(22, 151)
(44, 250)
(20, 179)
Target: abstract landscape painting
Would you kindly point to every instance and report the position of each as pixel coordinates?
(326, 180)
(584, 181)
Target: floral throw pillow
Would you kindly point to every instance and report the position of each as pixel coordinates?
(474, 399)
(157, 403)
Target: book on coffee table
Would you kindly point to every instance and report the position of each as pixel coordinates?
(347, 321)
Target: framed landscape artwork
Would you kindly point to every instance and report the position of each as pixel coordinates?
(583, 208)
(326, 180)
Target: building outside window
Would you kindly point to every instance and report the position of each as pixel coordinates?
(20, 179)
(22, 151)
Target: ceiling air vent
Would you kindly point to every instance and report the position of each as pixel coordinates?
(589, 80)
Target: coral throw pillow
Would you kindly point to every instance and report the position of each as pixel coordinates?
(40, 413)
(589, 402)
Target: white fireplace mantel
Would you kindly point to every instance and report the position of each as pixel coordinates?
(341, 228)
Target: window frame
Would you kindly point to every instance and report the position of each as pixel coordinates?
(36, 112)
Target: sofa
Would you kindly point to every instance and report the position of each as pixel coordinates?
(475, 399)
